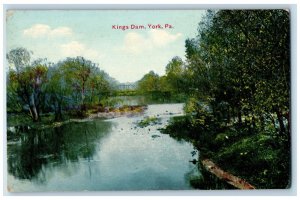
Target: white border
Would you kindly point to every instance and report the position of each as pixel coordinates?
(188, 4)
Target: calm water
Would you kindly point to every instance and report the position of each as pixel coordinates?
(99, 155)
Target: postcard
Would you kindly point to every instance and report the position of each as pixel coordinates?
(140, 100)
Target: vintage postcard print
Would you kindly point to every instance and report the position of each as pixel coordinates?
(132, 100)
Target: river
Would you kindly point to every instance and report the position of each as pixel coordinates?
(97, 155)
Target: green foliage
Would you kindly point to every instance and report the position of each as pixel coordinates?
(236, 77)
(237, 73)
(180, 128)
(148, 121)
(149, 83)
(172, 83)
(19, 58)
(126, 93)
(267, 159)
(175, 75)
(110, 102)
(41, 87)
(26, 82)
(239, 63)
(85, 83)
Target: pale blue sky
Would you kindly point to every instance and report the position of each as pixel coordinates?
(125, 55)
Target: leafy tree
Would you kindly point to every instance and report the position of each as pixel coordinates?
(175, 74)
(240, 60)
(26, 81)
(75, 83)
(149, 83)
(77, 72)
(100, 86)
(19, 58)
(238, 81)
(58, 91)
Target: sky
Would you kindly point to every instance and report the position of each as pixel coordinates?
(97, 35)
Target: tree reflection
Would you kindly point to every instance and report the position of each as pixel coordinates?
(37, 149)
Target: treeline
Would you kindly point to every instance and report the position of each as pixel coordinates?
(237, 77)
(38, 86)
(238, 65)
(166, 86)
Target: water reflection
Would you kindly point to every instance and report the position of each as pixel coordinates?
(36, 148)
(200, 178)
(112, 154)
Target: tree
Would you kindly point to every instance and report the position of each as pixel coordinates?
(77, 83)
(175, 74)
(149, 83)
(100, 86)
(77, 72)
(58, 91)
(26, 80)
(241, 60)
(19, 58)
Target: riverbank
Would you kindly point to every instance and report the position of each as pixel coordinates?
(225, 176)
(47, 121)
(118, 112)
(236, 149)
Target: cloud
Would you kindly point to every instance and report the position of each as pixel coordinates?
(61, 31)
(37, 30)
(75, 48)
(42, 30)
(135, 43)
(162, 38)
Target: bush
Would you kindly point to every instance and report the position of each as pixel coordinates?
(260, 153)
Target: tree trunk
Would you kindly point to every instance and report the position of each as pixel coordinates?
(225, 176)
(280, 120)
(287, 116)
(34, 113)
(34, 108)
(58, 112)
(82, 93)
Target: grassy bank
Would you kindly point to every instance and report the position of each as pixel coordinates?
(260, 156)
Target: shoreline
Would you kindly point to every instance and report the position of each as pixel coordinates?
(113, 113)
